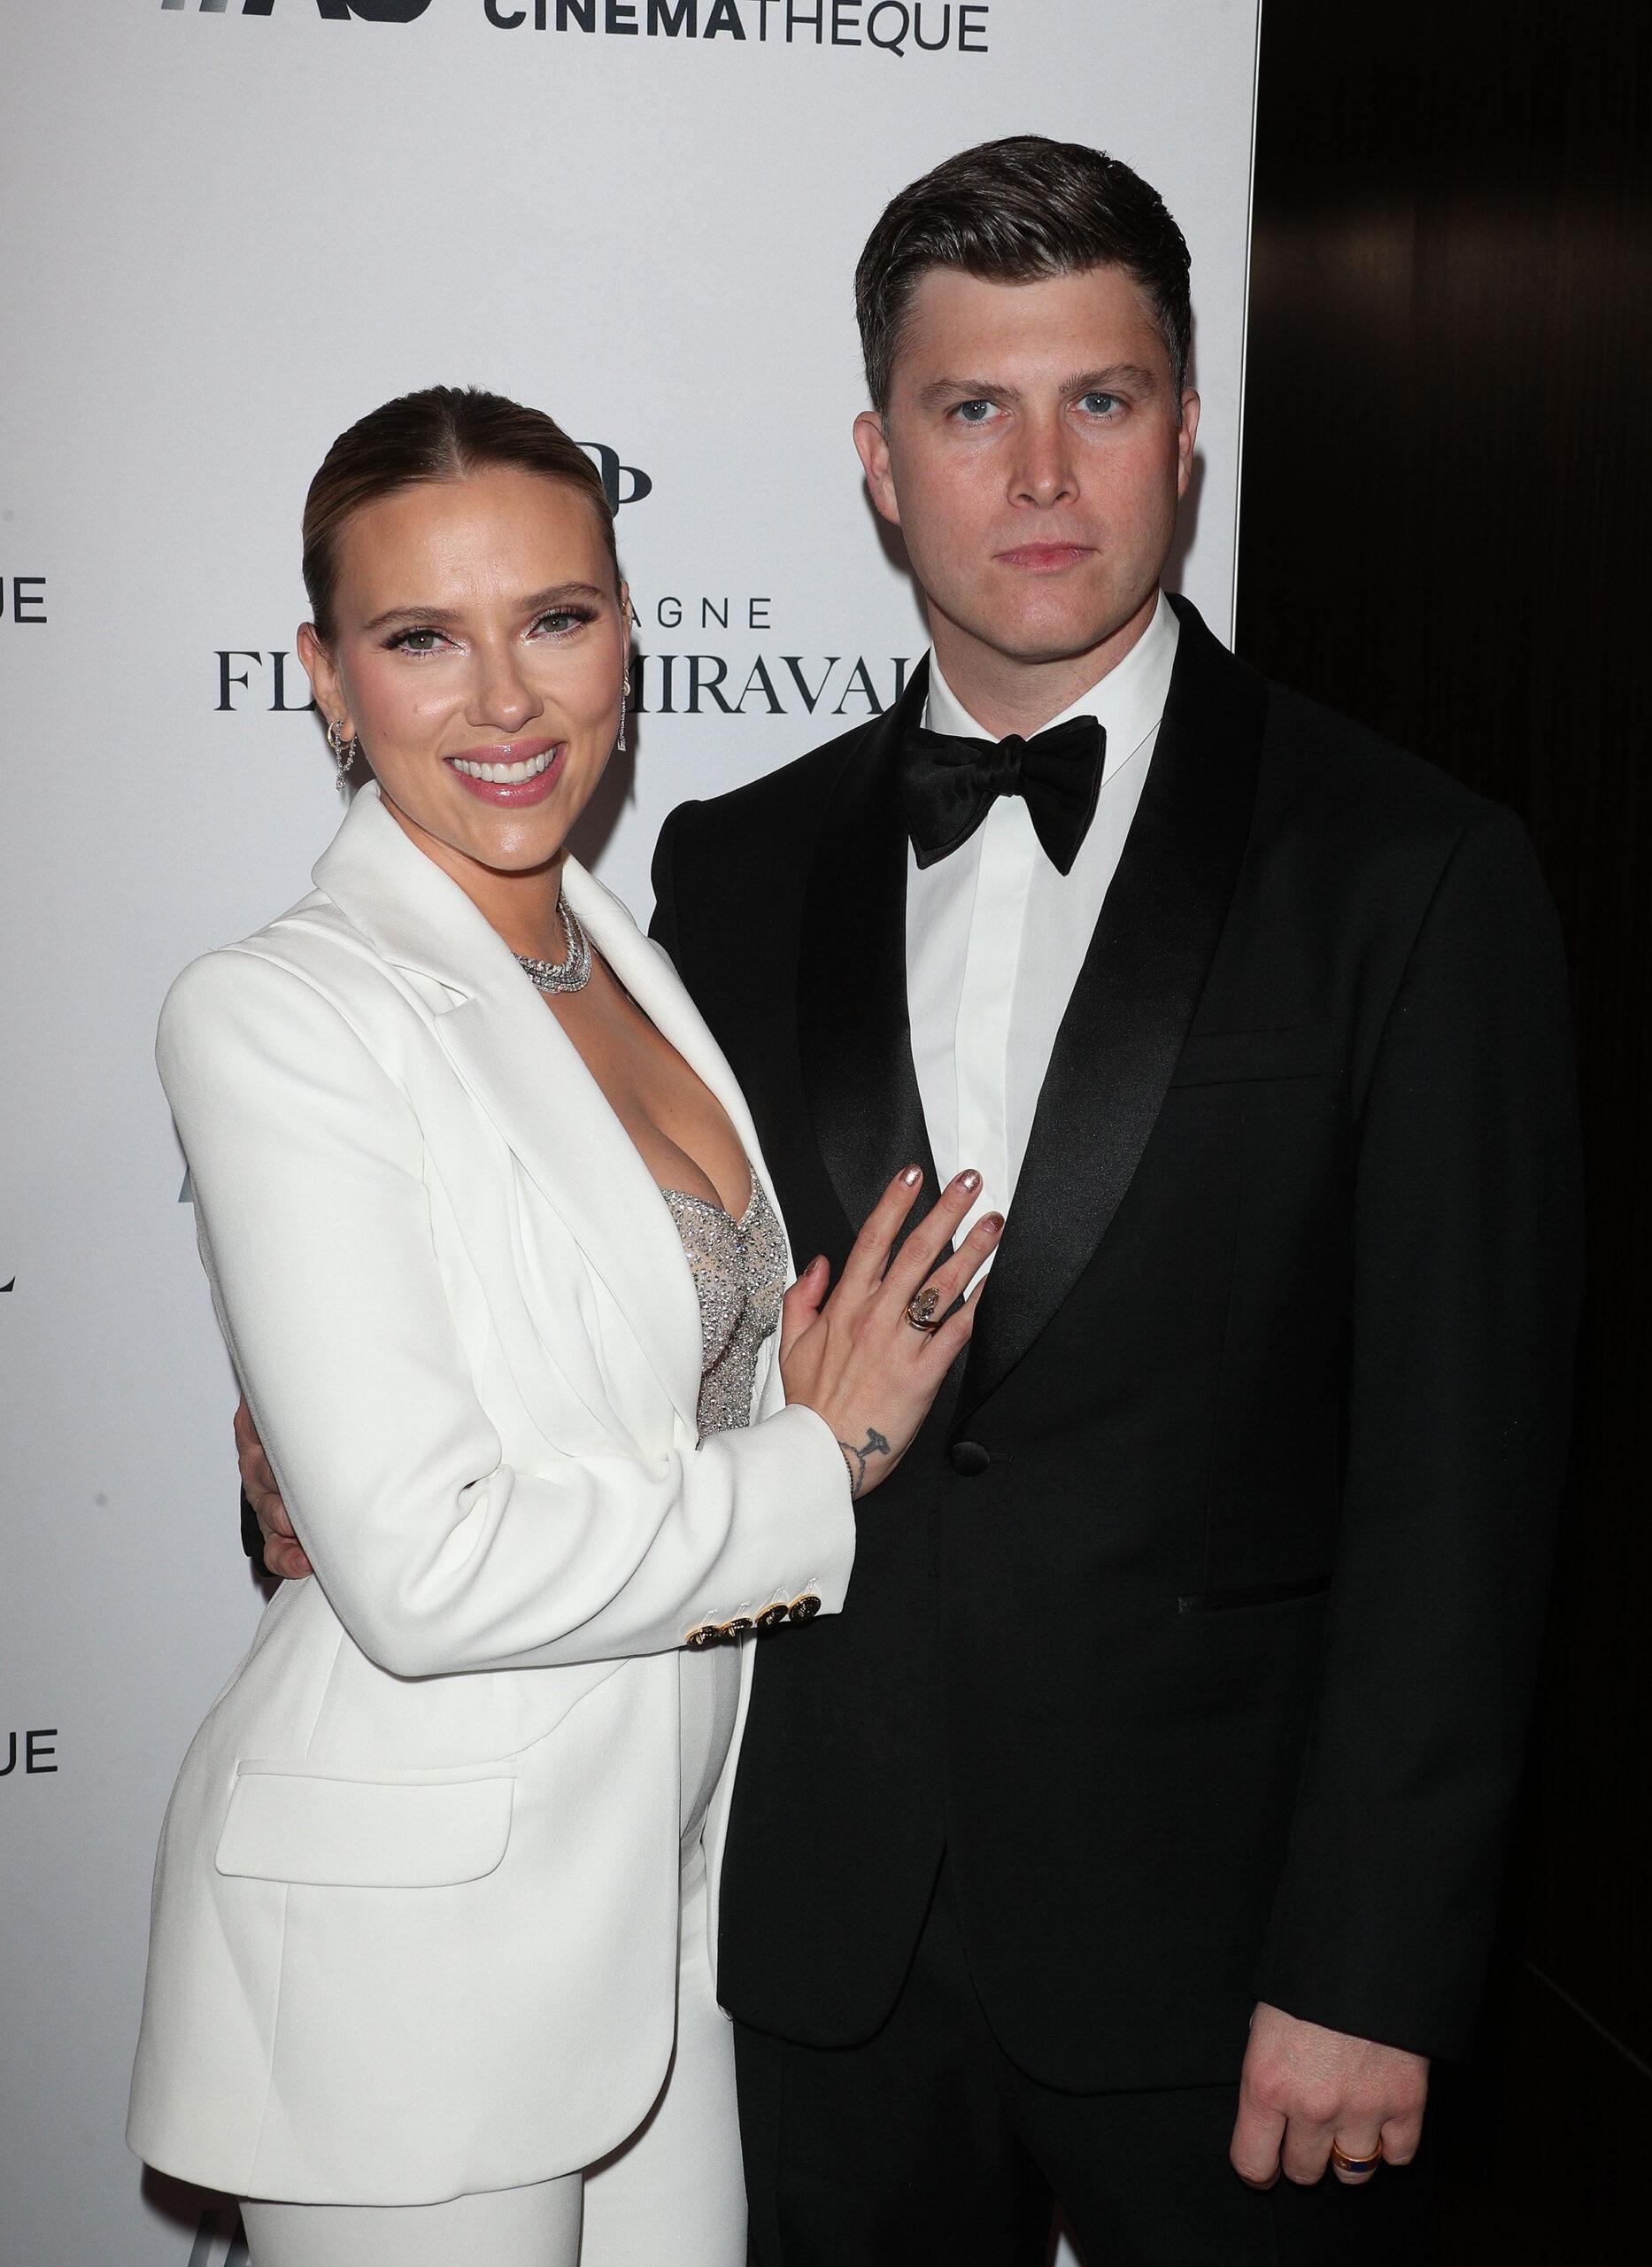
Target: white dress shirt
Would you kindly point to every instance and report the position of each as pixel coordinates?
(996, 935)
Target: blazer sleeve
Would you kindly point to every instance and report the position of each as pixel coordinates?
(1467, 1259)
(308, 1165)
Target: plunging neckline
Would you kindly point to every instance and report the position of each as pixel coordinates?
(708, 1203)
(715, 1203)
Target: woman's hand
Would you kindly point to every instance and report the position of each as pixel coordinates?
(283, 1553)
(856, 1357)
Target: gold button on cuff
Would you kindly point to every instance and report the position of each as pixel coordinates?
(805, 1608)
(772, 1616)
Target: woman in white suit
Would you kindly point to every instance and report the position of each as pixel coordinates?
(498, 1265)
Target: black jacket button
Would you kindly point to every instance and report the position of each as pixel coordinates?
(805, 1608)
(970, 1458)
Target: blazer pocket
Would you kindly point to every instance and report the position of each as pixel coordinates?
(1258, 1594)
(1214, 1057)
(328, 1833)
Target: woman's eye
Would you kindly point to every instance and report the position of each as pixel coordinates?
(415, 641)
(560, 619)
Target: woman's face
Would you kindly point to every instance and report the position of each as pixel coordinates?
(477, 632)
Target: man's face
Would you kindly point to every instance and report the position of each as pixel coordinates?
(1033, 455)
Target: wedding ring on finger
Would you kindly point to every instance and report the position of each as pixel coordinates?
(1343, 2163)
(922, 1309)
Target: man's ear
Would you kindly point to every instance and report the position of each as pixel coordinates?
(872, 443)
(1184, 441)
(317, 666)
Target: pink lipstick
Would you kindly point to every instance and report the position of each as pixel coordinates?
(513, 775)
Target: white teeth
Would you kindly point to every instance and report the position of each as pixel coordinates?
(504, 774)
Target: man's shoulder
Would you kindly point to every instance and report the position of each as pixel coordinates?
(779, 807)
(1319, 760)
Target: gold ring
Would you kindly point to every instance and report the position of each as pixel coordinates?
(1343, 2163)
(920, 1310)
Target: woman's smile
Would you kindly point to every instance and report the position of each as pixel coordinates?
(511, 773)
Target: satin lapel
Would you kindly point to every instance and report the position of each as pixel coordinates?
(852, 1030)
(529, 1078)
(1134, 1001)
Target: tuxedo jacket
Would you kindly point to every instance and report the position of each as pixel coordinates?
(1199, 1627)
(415, 1915)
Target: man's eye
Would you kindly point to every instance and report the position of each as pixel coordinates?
(973, 413)
(1100, 403)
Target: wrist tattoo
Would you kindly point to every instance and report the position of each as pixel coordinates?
(855, 1458)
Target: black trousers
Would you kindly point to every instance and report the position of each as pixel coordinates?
(927, 2147)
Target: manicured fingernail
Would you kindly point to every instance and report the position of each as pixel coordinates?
(993, 1224)
(971, 1179)
(912, 1176)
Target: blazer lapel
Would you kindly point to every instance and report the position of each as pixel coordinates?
(529, 1078)
(649, 977)
(1134, 1001)
(854, 1037)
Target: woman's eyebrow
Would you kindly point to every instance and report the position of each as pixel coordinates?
(536, 603)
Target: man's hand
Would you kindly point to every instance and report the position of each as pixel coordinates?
(1303, 2087)
(283, 1554)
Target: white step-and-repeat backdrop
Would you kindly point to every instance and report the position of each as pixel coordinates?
(231, 227)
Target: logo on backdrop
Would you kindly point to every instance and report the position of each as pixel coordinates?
(730, 678)
(896, 27)
(738, 676)
(30, 1754)
(22, 599)
(372, 12)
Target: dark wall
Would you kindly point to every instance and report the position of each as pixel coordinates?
(1446, 531)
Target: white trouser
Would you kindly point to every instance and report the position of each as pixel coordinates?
(675, 2182)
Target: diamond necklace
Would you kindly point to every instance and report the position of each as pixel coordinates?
(571, 974)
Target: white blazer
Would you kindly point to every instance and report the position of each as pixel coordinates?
(416, 1913)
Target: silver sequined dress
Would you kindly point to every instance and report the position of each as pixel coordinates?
(739, 1271)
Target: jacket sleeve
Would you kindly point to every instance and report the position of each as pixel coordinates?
(252, 1539)
(1467, 1262)
(308, 1165)
(663, 926)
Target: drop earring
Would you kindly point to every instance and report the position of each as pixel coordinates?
(625, 678)
(344, 754)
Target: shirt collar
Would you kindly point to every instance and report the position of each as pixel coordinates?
(1127, 702)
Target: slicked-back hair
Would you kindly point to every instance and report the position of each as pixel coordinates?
(442, 433)
(1012, 212)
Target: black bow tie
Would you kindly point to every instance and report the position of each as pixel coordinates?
(948, 785)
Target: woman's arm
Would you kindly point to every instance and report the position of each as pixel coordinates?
(307, 1167)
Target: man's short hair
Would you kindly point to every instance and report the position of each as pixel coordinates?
(1013, 211)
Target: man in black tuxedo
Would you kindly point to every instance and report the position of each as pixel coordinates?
(1144, 1807)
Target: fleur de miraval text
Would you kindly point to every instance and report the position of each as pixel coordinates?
(898, 27)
